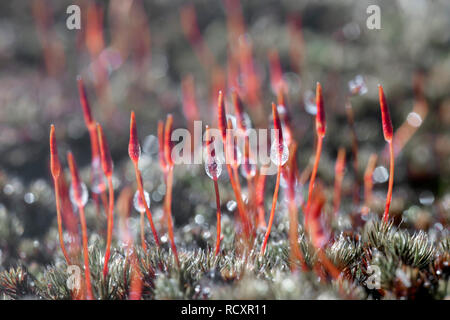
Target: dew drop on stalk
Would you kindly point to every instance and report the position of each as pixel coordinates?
(138, 203)
(281, 110)
(310, 102)
(357, 85)
(83, 192)
(213, 168)
(380, 174)
(233, 120)
(231, 205)
(275, 151)
(98, 182)
(414, 119)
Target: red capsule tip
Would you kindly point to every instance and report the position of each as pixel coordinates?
(105, 155)
(221, 116)
(55, 165)
(385, 115)
(84, 102)
(277, 123)
(320, 116)
(167, 141)
(134, 149)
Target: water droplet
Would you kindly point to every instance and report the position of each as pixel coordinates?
(414, 119)
(233, 120)
(8, 189)
(357, 85)
(213, 167)
(139, 205)
(310, 102)
(29, 198)
(281, 108)
(84, 195)
(231, 205)
(199, 219)
(380, 174)
(98, 184)
(275, 151)
(426, 198)
(150, 145)
(156, 196)
(206, 234)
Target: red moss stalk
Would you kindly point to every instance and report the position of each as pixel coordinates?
(279, 141)
(260, 188)
(368, 182)
(142, 222)
(107, 167)
(387, 132)
(222, 123)
(55, 167)
(242, 127)
(320, 130)
(124, 208)
(77, 195)
(338, 177)
(93, 137)
(169, 184)
(211, 153)
(291, 172)
(317, 232)
(134, 151)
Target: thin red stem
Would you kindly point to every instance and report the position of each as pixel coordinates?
(59, 219)
(391, 182)
(314, 172)
(89, 295)
(110, 226)
(272, 211)
(218, 213)
(143, 244)
(240, 203)
(147, 209)
(168, 209)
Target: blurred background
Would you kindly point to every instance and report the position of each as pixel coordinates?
(158, 57)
